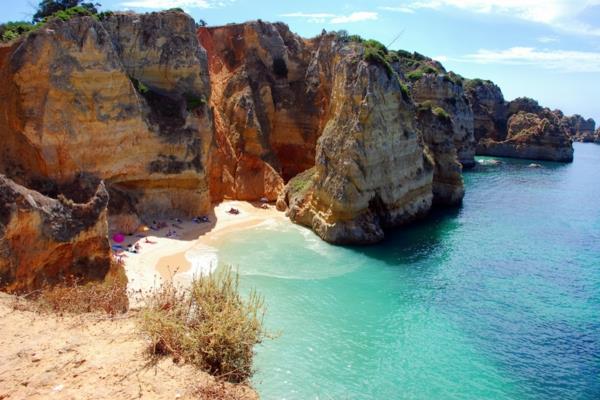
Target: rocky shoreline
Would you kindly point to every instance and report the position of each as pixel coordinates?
(348, 137)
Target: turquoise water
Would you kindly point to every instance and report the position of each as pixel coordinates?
(498, 300)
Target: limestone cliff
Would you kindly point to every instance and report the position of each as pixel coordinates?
(123, 99)
(284, 105)
(268, 111)
(46, 240)
(520, 128)
(523, 104)
(534, 136)
(172, 118)
(371, 170)
(443, 92)
(577, 127)
(490, 111)
(438, 134)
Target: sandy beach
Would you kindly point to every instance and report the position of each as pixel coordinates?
(192, 250)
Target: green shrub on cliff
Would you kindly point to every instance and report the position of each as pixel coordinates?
(404, 90)
(65, 15)
(12, 30)
(140, 86)
(192, 101)
(104, 15)
(47, 11)
(377, 53)
(302, 182)
(50, 8)
(414, 75)
(441, 113)
(208, 325)
(473, 83)
(420, 72)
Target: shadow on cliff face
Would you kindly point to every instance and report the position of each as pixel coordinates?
(412, 243)
(79, 189)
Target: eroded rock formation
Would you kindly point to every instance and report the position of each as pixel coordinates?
(577, 127)
(123, 99)
(371, 170)
(268, 110)
(284, 105)
(520, 128)
(535, 136)
(45, 240)
(490, 111)
(438, 134)
(443, 92)
(172, 118)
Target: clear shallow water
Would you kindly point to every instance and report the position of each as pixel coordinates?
(498, 300)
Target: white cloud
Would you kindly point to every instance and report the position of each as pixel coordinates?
(335, 18)
(402, 9)
(547, 39)
(355, 17)
(441, 58)
(311, 17)
(560, 14)
(162, 4)
(562, 60)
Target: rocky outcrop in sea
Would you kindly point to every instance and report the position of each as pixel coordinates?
(520, 128)
(577, 127)
(536, 136)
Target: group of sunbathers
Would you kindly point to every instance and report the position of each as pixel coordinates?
(200, 219)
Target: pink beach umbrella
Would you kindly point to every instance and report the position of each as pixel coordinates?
(119, 238)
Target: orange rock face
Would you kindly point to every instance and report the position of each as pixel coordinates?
(123, 99)
(44, 240)
(267, 116)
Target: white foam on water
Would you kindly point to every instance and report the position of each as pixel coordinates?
(203, 261)
(314, 242)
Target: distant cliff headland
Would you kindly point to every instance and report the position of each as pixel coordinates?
(119, 115)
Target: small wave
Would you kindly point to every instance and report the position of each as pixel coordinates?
(203, 261)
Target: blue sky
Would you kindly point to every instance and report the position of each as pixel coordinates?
(545, 49)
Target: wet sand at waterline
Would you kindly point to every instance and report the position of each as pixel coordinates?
(191, 251)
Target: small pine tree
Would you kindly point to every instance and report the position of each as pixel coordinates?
(48, 7)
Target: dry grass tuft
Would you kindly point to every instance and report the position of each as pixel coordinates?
(70, 296)
(208, 325)
(220, 390)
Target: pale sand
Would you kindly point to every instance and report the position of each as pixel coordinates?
(169, 258)
(88, 356)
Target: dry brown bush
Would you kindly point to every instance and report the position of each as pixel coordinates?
(70, 296)
(220, 390)
(208, 325)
